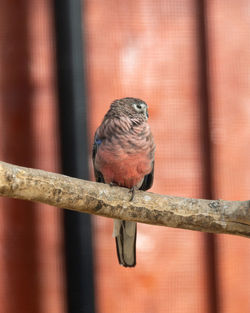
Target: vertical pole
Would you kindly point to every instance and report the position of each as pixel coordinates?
(74, 150)
(206, 146)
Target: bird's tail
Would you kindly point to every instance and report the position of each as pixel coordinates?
(125, 237)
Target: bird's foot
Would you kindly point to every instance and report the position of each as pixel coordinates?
(132, 191)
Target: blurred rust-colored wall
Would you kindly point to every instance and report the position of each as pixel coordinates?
(229, 46)
(183, 59)
(31, 246)
(157, 51)
(149, 50)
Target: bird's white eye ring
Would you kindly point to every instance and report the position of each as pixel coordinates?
(139, 107)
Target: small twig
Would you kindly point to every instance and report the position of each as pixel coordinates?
(215, 216)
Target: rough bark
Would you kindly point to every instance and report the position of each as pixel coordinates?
(215, 216)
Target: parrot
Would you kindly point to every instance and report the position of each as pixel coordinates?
(123, 155)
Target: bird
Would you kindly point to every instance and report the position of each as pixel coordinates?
(123, 155)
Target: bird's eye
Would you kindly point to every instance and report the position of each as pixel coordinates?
(139, 107)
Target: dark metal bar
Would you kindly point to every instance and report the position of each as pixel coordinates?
(74, 150)
(206, 146)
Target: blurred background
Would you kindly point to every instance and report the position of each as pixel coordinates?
(62, 62)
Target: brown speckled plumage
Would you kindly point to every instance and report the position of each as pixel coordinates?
(123, 154)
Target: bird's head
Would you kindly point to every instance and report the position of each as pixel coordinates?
(132, 107)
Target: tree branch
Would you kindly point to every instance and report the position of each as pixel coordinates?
(215, 216)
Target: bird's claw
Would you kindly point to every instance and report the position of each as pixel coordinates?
(132, 191)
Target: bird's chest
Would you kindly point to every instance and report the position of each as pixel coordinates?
(124, 169)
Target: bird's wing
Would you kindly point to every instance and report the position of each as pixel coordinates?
(98, 175)
(148, 180)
